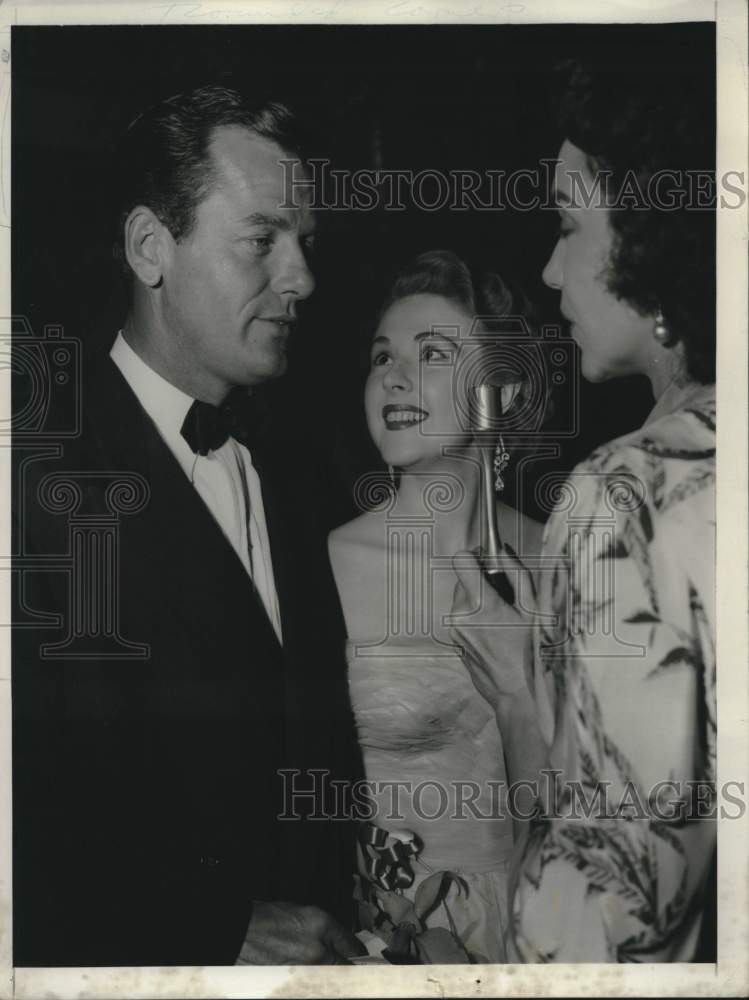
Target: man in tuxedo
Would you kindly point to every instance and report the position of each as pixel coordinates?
(201, 675)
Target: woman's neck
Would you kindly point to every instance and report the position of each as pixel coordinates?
(446, 496)
(665, 367)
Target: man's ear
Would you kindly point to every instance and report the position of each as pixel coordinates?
(144, 238)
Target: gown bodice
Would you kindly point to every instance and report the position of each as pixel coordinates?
(422, 722)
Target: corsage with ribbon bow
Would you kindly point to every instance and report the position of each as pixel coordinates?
(386, 870)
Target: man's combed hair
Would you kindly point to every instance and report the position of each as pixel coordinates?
(635, 124)
(163, 159)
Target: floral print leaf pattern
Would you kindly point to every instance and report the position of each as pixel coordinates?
(624, 770)
(640, 555)
(706, 643)
(658, 479)
(698, 480)
(641, 616)
(647, 524)
(706, 418)
(681, 453)
(617, 715)
(615, 549)
(679, 654)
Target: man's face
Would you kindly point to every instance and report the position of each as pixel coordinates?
(231, 287)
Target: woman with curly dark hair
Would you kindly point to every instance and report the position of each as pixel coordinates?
(615, 867)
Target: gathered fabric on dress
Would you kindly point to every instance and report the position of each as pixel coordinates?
(421, 721)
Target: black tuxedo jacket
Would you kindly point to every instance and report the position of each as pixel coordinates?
(147, 790)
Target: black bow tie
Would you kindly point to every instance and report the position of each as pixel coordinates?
(206, 427)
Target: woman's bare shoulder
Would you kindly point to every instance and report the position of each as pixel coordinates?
(358, 557)
(355, 540)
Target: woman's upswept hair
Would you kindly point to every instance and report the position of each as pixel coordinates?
(636, 126)
(481, 292)
(506, 328)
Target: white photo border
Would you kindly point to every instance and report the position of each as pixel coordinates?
(730, 976)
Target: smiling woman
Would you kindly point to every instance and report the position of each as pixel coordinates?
(410, 382)
(420, 720)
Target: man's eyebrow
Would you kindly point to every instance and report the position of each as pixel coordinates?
(262, 219)
(380, 339)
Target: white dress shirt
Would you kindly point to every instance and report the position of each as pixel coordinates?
(225, 479)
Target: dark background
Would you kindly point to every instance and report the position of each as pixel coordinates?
(435, 97)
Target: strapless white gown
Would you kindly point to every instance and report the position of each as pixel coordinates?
(421, 720)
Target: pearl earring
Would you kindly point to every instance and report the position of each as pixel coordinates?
(661, 330)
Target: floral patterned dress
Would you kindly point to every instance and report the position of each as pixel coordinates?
(625, 685)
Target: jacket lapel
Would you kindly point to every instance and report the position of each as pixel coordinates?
(279, 526)
(206, 568)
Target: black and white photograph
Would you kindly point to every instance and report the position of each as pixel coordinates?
(367, 568)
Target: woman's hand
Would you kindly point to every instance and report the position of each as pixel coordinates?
(497, 642)
(496, 637)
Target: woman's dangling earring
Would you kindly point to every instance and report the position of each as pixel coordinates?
(501, 458)
(661, 330)
(391, 477)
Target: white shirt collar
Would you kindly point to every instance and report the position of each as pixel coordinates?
(164, 403)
